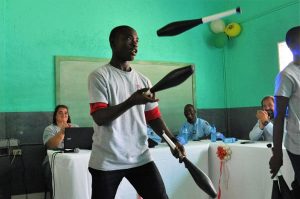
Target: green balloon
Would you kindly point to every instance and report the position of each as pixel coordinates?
(220, 40)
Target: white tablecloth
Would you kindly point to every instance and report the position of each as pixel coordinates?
(249, 176)
(248, 171)
(73, 181)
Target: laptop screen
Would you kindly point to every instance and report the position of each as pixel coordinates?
(78, 137)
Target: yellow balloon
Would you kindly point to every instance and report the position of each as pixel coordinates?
(233, 29)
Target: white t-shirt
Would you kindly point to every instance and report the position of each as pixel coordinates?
(122, 144)
(288, 85)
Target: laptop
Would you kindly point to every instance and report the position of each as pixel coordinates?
(78, 138)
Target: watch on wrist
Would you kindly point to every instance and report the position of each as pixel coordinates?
(265, 123)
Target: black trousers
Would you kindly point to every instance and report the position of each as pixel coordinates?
(145, 179)
(295, 159)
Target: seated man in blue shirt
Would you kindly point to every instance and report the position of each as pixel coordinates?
(194, 128)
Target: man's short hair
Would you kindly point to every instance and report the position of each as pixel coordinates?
(265, 98)
(189, 105)
(292, 35)
(117, 31)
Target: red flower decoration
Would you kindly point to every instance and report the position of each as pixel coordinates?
(224, 152)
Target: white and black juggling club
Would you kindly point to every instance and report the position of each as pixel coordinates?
(172, 79)
(200, 178)
(178, 27)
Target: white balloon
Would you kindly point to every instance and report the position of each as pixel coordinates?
(217, 26)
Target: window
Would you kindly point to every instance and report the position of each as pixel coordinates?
(285, 55)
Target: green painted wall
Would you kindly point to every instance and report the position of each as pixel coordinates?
(36, 31)
(2, 51)
(252, 58)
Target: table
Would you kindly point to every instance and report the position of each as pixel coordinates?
(248, 168)
(73, 181)
(70, 177)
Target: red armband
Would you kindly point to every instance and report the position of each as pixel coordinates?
(152, 114)
(96, 106)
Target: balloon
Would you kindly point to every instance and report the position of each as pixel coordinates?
(220, 40)
(217, 26)
(233, 29)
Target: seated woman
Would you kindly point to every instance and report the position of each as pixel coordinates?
(54, 133)
(53, 138)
